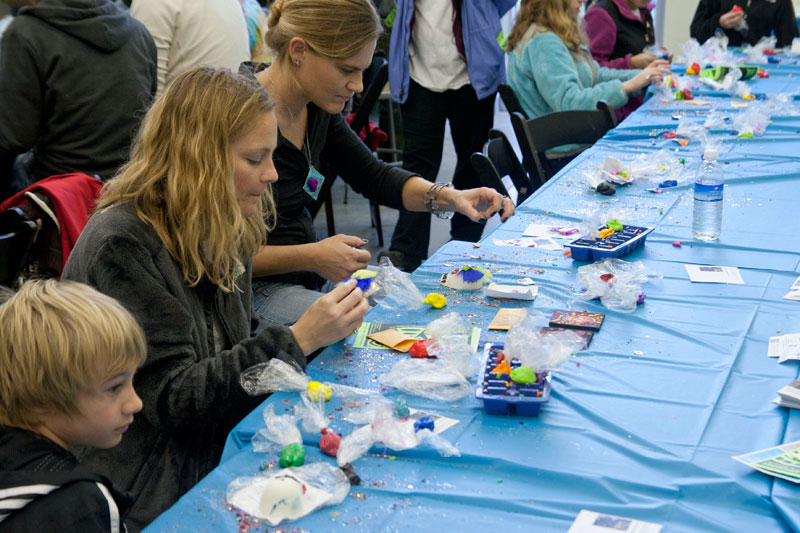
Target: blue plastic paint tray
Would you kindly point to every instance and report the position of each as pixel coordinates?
(501, 396)
(620, 244)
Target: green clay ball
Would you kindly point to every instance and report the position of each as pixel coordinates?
(614, 224)
(523, 375)
(401, 409)
(292, 455)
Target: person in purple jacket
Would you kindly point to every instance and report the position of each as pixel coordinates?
(619, 31)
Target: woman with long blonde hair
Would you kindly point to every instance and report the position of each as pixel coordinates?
(321, 49)
(172, 240)
(550, 68)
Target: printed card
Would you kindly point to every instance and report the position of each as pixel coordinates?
(545, 243)
(577, 320)
(505, 318)
(548, 230)
(515, 292)
(592, 522)
(440, 423)
(714, 274)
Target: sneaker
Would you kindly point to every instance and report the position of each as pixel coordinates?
(401, 260)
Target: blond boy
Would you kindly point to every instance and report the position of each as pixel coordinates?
(68, 354)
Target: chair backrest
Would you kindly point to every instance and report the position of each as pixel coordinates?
(374, 80)
(499, 160)
(16, 236)
(510, 100)
(537, 135)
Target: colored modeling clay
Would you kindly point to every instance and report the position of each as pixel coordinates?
(426, 422)
(435, 300)
(329, 442)
(419, 350)
(401, 409)
(687, 94)
(668, 183)
(606, 189)
(606, 277)
(669, 135)
(606, 233)
(317, 391)
(737, 9)
(292, 455)
(502, 368)
(749, 97)
(640, 299)
(500, 357)
(762, 74)
(745, 135)
(677, 244)
(523, 375)
(614, 224)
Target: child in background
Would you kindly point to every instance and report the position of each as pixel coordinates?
(67, 358)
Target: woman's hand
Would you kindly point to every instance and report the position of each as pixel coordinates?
(642, 60)
(654, 72)
(478, 204)
(335, 258)
(331, 318)
(732, 18)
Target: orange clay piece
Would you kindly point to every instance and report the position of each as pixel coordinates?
(608, 232)
(502, 368)
(749, 97)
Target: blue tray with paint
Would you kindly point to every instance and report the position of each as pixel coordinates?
(620, 244)
(501, 396)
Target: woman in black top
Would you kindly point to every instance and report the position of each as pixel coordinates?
(763, 17)
(321, 49)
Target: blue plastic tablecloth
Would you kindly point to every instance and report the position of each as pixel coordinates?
(644, 422)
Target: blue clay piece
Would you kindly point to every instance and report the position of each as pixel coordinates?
(426, 422)
(472, 275)
(364, 284)
(668, 183)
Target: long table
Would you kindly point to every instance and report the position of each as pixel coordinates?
(641, 424)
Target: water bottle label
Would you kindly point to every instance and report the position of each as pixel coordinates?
(708, 193)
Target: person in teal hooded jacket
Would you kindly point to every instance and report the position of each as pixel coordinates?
(550, 68)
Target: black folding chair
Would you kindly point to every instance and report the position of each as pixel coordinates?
(16, 237)
(497, 161)
(510, 100)
(374, 80)
(537, 135)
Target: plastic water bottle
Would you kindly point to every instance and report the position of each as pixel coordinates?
(708, 188)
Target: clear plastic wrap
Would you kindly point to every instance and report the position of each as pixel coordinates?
(452, 335)
(272, 376)
(397, 291)
(755, 53)
(538, 352)
(280, 431)
(429, 439)
(617, 283)
(435, 379)
(689, 129)
(289, 494)
(657, 166)
(751, 122)
(717, 120)
(311, 413)
(354, 445)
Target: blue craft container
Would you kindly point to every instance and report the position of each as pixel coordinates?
(620, 244)
(501, 396)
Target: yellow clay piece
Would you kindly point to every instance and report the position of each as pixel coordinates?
(608, 232)
(436, 300)
(318, 391)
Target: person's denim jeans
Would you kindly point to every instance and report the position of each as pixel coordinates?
(424, 115)
(281, 303)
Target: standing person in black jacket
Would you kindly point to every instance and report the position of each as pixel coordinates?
(763, 17)
(67, 358)
(76, 76)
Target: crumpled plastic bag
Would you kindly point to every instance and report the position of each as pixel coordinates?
(752, 121)
(435, 379)
(540, 353)
(622, 291)
(388, 431)
(658, 166)
(717, 120)
(280, 431)
(288, 494)
(451, 334)
(272, 376)
(755, 52)
(689, 129)
(397, 291)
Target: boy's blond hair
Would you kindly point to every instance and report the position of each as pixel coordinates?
(57, 339)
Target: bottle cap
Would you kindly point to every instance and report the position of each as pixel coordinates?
(710, 154)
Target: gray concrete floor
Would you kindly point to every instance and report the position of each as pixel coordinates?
(353, 218)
